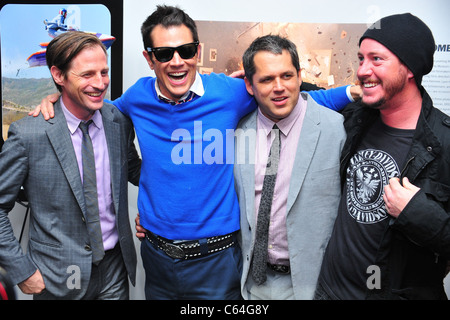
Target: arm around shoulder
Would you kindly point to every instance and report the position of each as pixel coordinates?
(335, 98)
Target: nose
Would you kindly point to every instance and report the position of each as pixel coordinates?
(176, 59)
(278, 85)
(100, 81)
(364, 69)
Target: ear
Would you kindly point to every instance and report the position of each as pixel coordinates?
(148, 58)
(248, 85)
(57, 75)
(300, 78)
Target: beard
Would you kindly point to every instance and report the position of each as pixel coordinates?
(391, 88)
(373, 105)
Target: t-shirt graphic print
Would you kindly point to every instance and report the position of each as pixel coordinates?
(369, 171)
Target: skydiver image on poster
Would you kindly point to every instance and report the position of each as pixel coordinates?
(57, 25)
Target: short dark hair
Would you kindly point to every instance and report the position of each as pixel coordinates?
(65, 47)
(167, 16)
(271, 43)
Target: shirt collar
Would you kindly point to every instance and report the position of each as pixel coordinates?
(73, 122)
(196, 88)
(285, 125)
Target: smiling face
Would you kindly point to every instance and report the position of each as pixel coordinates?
(85, 83)
(176, 76)
(276, 84)
(381, 73)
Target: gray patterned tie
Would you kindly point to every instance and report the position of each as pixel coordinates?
(259, 263)
(90, 195)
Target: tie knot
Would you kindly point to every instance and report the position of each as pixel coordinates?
(276, 130)
(276, 133)
(84, 126)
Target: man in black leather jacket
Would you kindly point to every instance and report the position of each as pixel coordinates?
(391, 239)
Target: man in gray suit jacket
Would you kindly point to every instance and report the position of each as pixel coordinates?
(307, 188)
(45, 157)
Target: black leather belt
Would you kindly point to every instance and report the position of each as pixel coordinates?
(192, 248)
(279, 268)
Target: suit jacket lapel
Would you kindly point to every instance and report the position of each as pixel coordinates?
(59, 136)
(248, 167)
(113, 140)
(309, 137)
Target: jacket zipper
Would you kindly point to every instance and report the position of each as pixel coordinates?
(406, 166)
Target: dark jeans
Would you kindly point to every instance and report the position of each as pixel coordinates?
(215, 276)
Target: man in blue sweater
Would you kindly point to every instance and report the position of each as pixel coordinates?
(185, 126)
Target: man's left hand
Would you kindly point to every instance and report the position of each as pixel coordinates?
(396, 196)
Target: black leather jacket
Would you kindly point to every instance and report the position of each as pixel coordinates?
(415, 248)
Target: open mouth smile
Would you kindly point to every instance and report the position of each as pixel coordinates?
(279, 100)
(94, 94)
(369, 85)
(177, 76)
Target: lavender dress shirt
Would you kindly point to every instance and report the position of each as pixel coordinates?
(290, 128)
(102, 168)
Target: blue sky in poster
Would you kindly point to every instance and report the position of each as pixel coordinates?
(22, 29)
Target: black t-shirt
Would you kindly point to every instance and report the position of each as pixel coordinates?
(362, 216)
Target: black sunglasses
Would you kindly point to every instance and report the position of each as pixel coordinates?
(164, 54)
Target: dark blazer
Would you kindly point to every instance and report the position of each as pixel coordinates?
(415, 248)
(39, 156)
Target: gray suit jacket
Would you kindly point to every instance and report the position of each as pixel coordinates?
(39, 156)
(313, 199)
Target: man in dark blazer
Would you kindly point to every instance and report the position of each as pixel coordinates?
(45, 157)
(307, 186)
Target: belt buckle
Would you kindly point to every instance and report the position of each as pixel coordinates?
(283, 269)
(174, 251)
(280, 268)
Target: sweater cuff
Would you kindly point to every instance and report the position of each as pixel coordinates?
(349, 95)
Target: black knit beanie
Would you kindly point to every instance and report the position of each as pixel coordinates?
(408, 38)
